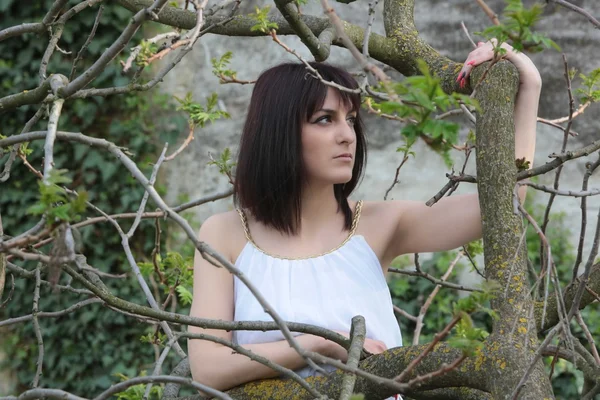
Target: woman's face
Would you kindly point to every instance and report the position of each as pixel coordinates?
(329, 142)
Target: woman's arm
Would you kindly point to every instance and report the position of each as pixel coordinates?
(456, 220)
(216, 365)
(526, 103)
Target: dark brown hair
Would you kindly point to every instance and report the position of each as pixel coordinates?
(270, 172)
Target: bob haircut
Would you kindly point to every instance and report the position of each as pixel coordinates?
(270, 172)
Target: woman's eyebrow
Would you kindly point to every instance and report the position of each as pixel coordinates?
(328, 110)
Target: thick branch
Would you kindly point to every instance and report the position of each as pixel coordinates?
(319, 50)
(505, 254)
(33, 27)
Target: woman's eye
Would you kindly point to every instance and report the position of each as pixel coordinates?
(351, 120)
(324, 118)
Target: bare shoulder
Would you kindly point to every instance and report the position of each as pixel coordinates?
(378, 222)
(224, 232)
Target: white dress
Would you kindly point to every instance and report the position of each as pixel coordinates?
(325, 290)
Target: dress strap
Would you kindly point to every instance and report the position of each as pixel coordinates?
(245, 225)
(355, 218)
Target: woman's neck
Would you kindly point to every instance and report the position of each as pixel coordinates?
(319, 207)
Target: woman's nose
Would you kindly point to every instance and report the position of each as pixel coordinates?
(346, 133)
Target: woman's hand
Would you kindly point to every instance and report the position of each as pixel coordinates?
(336, 351)
(528, 74)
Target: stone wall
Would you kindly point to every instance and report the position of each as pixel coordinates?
(439, 23)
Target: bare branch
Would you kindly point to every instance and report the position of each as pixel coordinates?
(92, 72)
(358, 333)
(53, 12)
(37, 330)
(320, 50)
(50, 314)
(570, 193)
(87, 43)
(35, 27)
(589, 170)
(579, 10)
(433, 279)
(138, 216)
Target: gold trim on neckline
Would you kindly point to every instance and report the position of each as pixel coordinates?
(355, 219)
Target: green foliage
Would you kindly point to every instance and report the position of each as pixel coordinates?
(54, 202)
(136, 392)
(468, 337)
(591, 83)
(147, 50)
(221, 67)
(475, 247)
(174, 273)
(85, 349)
(224, 163)
(263, 25)
(421, 97)
(517, 26)
(522, 164)
(198, 114)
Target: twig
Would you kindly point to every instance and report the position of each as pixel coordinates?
(52, 45)
(109, 54)
(185, 143)
(430, 298)
(588, 268)
(445, 368)
(515, 394)
(365, 47)
(559, 159)
(387, 192)
(429, 348)
(87, 42)
(556, 192)
(589, 337)
(155, 214)
(579, 10)
(362, 60)
(589, 169)
(576, 113)
(136, 271)
(49, 145)
(136, 50)
(30, 274)
(466, 31)
(449, 185)
(36, 328)
(158, 365)
(142, 206)
(316, 73)
(358, 333)
(404, 313)
(199, 22)
(434, 280)
(555, 125)
(546, 269)
(489, 12)
(453, 189)
(564, 145)
(52, 314)
(5, 175)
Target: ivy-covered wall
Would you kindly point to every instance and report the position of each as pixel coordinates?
(83, 350)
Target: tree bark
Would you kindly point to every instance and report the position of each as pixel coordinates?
(514, 341)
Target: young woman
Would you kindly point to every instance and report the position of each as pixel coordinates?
(316, 256)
